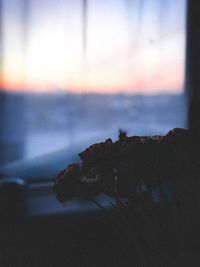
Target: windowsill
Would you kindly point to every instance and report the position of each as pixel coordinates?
(37, 200)
(40, 201)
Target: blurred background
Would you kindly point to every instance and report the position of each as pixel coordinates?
(72, 73)
(75, 72)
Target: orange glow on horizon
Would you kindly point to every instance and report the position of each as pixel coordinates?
(139, 71)
(152, 85)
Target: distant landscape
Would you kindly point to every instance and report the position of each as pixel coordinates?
(37, 124)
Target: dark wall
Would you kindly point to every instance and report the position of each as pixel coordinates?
(193, 64)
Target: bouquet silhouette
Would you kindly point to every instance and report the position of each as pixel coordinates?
(155, 183)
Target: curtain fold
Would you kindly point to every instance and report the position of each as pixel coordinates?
(84, 30)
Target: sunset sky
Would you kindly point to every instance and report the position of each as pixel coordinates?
(130, 47)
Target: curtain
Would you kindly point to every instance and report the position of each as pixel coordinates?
(60, 58)
(89, 44)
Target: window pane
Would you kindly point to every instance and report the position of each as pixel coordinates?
(75, 72)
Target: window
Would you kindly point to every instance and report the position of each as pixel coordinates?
(75, 72)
